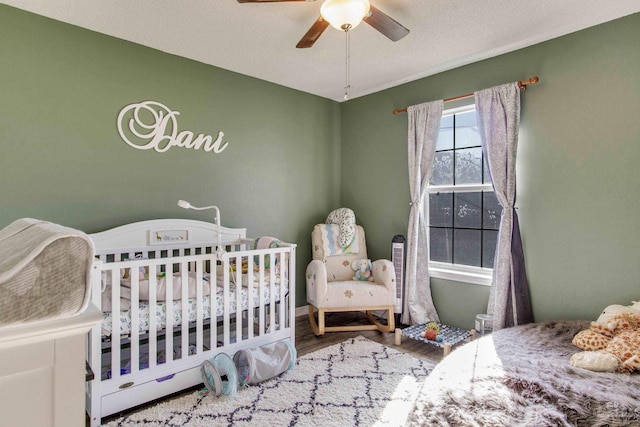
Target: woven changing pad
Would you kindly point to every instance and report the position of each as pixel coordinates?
(44, 271)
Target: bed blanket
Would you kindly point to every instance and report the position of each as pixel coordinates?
(44, 271)
(522, 376)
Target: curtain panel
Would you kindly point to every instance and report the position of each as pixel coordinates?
(423, 128)
(498, 115)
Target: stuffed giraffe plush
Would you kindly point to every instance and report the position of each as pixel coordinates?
(612, 343)
(613, 320)
(626, 348)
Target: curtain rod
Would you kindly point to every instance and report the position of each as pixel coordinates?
(522, 84)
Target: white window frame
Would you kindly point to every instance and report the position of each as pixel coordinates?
(458, 272)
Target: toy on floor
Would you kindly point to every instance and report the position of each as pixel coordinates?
(612, 343)
(431, 332)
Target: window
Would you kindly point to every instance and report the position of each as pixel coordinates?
(464, 214)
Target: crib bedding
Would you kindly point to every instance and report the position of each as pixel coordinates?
(161, 286)
(161, 310)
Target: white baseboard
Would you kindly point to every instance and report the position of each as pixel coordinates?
(302, 311)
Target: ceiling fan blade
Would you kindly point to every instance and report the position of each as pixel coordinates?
(385, 24)
(313, 34)
(268, 1)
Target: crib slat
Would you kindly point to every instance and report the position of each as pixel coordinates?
(250, 269)
(153, 315)
(199, 307)
(283, 280)
(261, 309)
(272, 299)
(184, 321)
(225, 301)
(135, 320)
(213, 329)
(115, 323)
(291, 303)
(169, 313)
(238, 293)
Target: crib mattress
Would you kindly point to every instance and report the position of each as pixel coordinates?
(161, 308)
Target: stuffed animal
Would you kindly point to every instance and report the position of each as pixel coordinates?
(363, 270)
(612, 343)
(613, 320)
(622, 354)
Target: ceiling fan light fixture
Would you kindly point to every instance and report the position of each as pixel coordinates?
(344, 15)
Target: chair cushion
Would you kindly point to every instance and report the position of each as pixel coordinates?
(356, 294)
(338, 266)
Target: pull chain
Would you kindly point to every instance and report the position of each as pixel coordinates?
(347, 77)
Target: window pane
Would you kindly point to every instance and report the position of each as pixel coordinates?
(441, 210)
(442, 169)
(491, 211)
(445, 138)
(489, 241)
(468, 210)
(486, 175)
(440, 244)
(467, 130)
(463, 225)
(467, 246)
(469, 166)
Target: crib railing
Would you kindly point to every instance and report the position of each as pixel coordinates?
(251, 300)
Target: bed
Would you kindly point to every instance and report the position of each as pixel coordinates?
(522, 376)
(171, 297)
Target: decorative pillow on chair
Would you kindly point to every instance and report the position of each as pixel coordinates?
(346, 219)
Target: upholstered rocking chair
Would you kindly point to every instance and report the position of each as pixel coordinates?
(339, 280)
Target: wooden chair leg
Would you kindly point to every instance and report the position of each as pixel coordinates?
(312, 321)
(317, 327)
(321, 320)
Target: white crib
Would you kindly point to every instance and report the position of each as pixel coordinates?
(171, 299)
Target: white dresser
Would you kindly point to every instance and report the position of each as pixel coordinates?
(42, 372)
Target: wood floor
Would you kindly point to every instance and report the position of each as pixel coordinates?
(307, 342)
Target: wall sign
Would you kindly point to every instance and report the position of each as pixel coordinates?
(151, 125)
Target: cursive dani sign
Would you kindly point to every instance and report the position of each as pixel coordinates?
(151, 125)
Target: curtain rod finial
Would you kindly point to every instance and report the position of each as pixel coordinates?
(523, 84)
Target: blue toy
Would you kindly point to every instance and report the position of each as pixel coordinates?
(363, 270)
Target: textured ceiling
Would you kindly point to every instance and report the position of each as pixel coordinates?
(259, 39)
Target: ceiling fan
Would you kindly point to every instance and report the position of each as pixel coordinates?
(345, 15)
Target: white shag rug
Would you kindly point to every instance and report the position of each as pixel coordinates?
(355, 383)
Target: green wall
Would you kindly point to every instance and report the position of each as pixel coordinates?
(577, 169)
(62, 160)
(293, 157)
